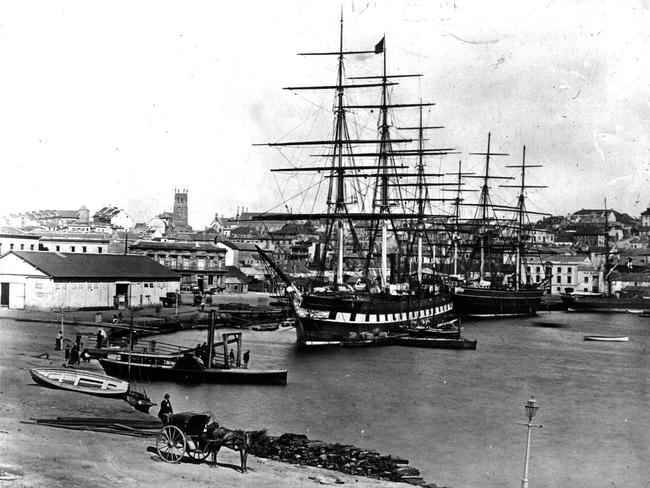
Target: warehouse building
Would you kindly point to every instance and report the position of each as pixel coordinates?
(51, 280)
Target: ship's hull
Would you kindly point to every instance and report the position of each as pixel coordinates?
(489, 302)
(208, 375)
(323, 319)
(584, 303)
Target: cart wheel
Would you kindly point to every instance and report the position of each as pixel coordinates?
(170, 444)
(196, 452)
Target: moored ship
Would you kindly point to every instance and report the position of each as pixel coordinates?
(514, 295)
(361, 219)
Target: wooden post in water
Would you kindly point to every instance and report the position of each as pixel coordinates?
(239, 336)
(211, 339)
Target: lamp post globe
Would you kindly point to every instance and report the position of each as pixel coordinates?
(531, 408)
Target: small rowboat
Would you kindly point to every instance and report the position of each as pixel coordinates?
(607, 338)
(634, 311)
(80, 381)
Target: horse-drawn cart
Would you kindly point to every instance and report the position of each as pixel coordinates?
(198, 435)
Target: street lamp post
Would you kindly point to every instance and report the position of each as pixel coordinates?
(531, 408)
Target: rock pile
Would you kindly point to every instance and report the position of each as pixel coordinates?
(298, 449)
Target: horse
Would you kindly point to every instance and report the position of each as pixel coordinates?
(237, 440)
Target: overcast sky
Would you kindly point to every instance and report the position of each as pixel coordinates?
(121, 102)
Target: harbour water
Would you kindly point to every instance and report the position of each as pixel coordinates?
(455, 414)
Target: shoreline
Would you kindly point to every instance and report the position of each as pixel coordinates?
(34, 455)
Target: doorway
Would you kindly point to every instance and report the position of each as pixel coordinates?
(4, 294)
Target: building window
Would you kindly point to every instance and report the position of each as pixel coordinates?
(559, 279)
(11, 246)
(58, 248)
(568, 270)
(84, 249)
(22, 247)
(538, 278)
(568, 279)
(537, 269)
(558, 289)
(72, 248)
(559, 269)
(586, 280)
(31, 247)
(100, 250)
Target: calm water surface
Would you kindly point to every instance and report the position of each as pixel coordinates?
(454, 414)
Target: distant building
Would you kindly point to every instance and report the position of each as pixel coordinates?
(240, 254)
(169, 223)
(51, 280)
(113, 217)
(75, 242)
(200, 264)
(235, 281)
(15, 239)
(645, 218)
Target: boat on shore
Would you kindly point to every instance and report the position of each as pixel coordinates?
(80, 381)
(603, 338)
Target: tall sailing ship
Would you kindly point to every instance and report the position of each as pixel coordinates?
(496, 293)
(376, 222)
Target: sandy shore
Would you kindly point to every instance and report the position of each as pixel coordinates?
(34, 456)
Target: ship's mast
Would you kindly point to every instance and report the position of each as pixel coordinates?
(521, 213)
(608, 267)
(485, 203)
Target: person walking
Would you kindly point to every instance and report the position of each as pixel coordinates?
(165, 410)
(247, 357)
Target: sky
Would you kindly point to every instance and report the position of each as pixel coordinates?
(122, 102)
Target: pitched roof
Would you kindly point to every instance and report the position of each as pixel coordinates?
(14, 232)
(96, 266)
(176, 246)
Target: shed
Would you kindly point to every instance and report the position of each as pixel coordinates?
(50, 280)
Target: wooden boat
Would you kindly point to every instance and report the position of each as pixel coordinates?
(636, 311)
(80, 381)
(437, 342)
(607, 338)
(190, 369)
(265, 327)
(373, 341)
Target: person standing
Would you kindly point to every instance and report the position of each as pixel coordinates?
(58, 341)
(74, 355)
(77, 340)
(231, 358)
(67, 353)
(100, 339)
(247, 357)
(165, 410)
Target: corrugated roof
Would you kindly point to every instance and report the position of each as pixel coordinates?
(96, 266)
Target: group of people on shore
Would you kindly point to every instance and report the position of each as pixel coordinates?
(74, 353)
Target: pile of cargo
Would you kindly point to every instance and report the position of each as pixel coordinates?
(298, 449)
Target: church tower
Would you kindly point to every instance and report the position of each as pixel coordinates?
(180, 209)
